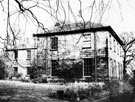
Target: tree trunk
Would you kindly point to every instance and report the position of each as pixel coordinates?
(124, 64)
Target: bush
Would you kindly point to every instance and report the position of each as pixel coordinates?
(123, 97)
(70, 94)
(75, 93)
(17, 75)
(40, 80)
(2, 69)
(70, 70)
(119, 91)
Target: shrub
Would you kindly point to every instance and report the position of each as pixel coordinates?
(2, 69)
(92, 92)
(17, 75)
(70, 70)
(70, 94)
(40, 80)
(119, 91)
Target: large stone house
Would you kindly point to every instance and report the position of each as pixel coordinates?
(99, 49)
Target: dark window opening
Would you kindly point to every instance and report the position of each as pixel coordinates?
(15, 70)
(28, 54)
(28, 70)
(54, 64)
(88, 67)
(15, 54)
(54, 43)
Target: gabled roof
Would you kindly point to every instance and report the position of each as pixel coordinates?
(97, 29)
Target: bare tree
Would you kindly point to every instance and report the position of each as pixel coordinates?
(129, 50)
(58, 11)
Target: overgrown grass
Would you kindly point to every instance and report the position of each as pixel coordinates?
(92, 92)
(114, 91)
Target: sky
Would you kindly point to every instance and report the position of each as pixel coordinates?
(120, 16)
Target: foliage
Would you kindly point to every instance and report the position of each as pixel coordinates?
(91, 93)
(119, 91)
(36, 71)
(124, 97)
(2, 69)
(40, 80)
(17, 75)
(70, 70)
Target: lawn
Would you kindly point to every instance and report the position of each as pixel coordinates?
(15, 91)
(25, 92)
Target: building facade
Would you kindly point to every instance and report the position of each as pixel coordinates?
(99, 49)
(21, 59)
(96, 54)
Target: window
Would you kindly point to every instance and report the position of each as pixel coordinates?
(110, 41)
(54, 43)
(120, 51)
(15, 70)
(111, 66)
(117, 48)
(15, 54)
(114, 45)
(28, 70)
(119, 67)
(54, 65)
(28, 54)
(115, 73)
(87, 41)
(88, 67)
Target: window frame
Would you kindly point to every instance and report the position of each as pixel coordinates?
(54, 66)
(87, 68)
(28, 54)
(54, 44)
(88, 41)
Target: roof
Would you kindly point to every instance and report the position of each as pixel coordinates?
(97, 29)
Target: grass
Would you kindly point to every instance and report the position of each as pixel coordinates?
(11, 91)
(24, 92)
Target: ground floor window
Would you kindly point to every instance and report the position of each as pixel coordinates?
(88, 67)
(15, 70)
(54, 65)
(28, 70)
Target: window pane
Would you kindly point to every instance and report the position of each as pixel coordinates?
(54, 67)
(29, 54)
(88, 67)
(54, 43)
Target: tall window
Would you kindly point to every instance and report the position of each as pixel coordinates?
(28, 54)
(54, 43)
(54, 65)
(87, 41)
(119, 69)
(15, 70)
(112, 67)
(88, 67)
(110, 40)
(28, 70)
(15, 54)
(117, 48)
(115, 70)
(114, 45)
